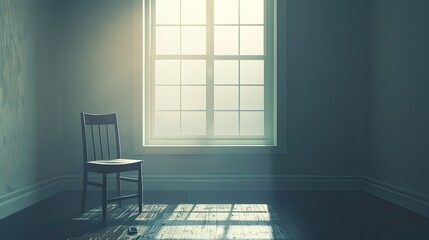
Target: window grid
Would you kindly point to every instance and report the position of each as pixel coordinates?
(210, 58)
(211, 65)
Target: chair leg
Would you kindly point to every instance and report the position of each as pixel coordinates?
(118, 187)
(140, 190)
(104, 197)
(84, 187)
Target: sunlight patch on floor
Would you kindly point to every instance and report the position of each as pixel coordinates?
(189, 221)
(214, 221)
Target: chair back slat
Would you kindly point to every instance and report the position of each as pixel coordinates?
(108, 142)
(118, 142)
(100, 119)
(91, 126)
(101, 143)
(93, 142)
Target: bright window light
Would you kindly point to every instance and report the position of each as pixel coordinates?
(209, 73)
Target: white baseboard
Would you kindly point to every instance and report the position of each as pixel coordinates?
(231, 182)
(20, 199)
(416, 202)
(25, 197)
(411, 200)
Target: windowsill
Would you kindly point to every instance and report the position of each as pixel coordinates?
(256, 149)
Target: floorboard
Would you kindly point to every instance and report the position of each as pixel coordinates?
(220, 215)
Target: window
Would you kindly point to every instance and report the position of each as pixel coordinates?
(209, 73)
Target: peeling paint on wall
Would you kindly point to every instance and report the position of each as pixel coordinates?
(17, 105)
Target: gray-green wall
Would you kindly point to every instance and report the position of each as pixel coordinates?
(352, 84)
(399, 94)
(323, 77)
(18, 152)
(29, 112)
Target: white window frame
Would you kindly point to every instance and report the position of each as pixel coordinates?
(145, 139)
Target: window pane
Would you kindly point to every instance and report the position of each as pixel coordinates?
(226, 98)
(167, 40)
(193, 123)
(167, 72)
(252, 98)
(193, 72)
(167, 98)
(252, 40)
(226, 11)
(167, 12)
(193, 11)
(193, 40)
(226, 71)
(167, 123)
(226, 123)
(251, 123)
(226, 40)
(252, 11)
(193, 98)
(252, 72)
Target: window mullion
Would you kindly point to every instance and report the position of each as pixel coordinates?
(268, 78)
(210, 67)
(180, 68)
(239, 67)
(152, 68)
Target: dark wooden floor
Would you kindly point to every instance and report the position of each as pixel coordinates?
(221, 215)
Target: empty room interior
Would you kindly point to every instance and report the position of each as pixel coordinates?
(214, 119)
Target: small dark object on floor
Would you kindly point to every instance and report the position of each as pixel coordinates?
(132, 230)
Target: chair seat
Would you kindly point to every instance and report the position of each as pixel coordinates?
(114, 165)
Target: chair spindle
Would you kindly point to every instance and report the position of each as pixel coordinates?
(93, 142)
(108, 142)
(101, 143)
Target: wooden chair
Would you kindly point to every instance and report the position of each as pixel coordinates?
(104, 160)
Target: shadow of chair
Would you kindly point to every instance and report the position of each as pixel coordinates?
(100, 132)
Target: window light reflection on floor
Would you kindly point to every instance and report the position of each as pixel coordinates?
(196, 221)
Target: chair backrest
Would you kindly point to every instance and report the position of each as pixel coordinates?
(100, 133)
